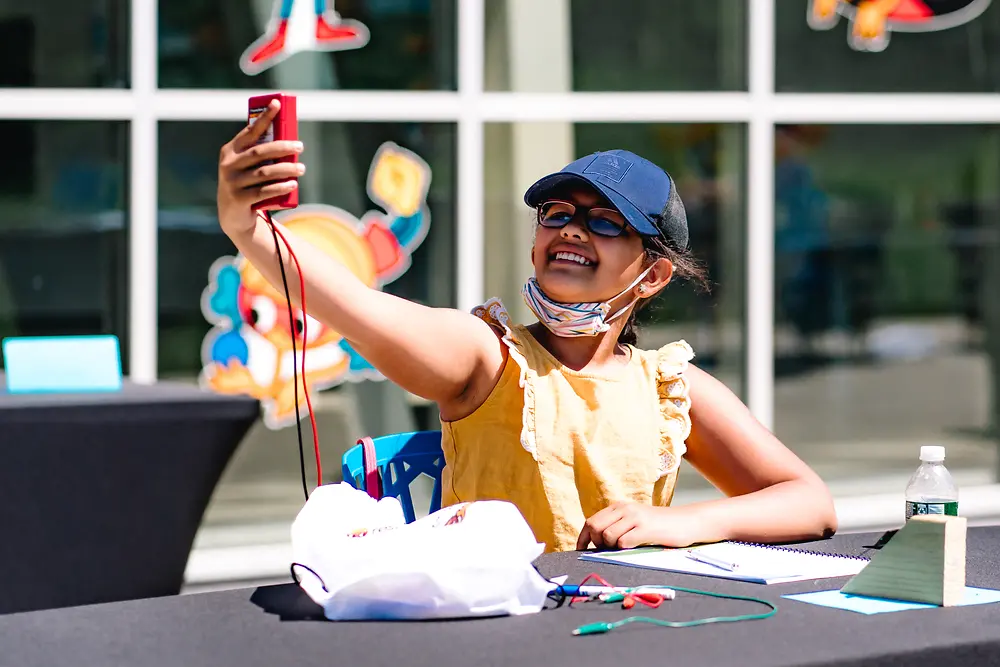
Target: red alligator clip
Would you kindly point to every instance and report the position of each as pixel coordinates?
(651, 600)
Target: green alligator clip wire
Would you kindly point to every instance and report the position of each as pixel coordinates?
(601, 628)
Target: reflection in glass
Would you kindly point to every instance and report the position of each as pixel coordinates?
(958, 60)
(887, 265)
(411, 46)
(59, 44)
(63, 248)
(628, 45)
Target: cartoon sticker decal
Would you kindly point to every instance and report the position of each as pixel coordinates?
(444, 517)
(458, 516)
(294, 28)
(872, 21)
(248, 351)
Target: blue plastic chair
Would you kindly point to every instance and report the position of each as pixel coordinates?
(400, 459)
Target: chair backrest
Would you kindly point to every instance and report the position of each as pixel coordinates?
(400, 459)
(62, 364)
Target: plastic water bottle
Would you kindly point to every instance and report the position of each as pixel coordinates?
(931, 490)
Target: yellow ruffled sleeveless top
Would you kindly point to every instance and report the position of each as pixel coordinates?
(561, 444)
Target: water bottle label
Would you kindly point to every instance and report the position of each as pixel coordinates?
(949, 509)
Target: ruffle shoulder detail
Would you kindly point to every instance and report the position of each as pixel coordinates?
(673, 394)
(495, 314)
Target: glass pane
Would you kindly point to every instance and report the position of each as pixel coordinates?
(63, 247)
(411, 44)
(262, 483)
(338, 156)
(627, 45)
(706, 161)
(55, 44)
(960, 59)
(887, 270)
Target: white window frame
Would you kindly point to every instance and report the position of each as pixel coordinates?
(144, 106)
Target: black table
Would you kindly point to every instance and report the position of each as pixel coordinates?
(278, 625)
(101, 494)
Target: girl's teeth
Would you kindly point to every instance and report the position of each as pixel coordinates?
(572, 258)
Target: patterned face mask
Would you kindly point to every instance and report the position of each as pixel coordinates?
(574, 319)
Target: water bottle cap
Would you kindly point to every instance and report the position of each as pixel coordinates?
(932, 454)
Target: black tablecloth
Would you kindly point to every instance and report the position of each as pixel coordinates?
(276, 625)
(101, 494)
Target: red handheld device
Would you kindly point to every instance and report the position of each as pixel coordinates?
(284, 127)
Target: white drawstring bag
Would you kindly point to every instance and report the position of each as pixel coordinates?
(358, 559)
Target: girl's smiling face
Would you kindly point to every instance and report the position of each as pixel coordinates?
(575, 265)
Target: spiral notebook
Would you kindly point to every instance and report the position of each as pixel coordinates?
(756, 563)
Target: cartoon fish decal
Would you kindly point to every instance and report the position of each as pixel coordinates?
(250, 348)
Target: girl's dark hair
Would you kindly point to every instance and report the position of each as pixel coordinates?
(686, 267)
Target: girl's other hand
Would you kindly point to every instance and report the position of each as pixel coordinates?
(629, 525)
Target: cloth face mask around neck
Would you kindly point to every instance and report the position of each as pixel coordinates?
(574, 319)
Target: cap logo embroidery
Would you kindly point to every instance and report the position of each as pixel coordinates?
(611, 167)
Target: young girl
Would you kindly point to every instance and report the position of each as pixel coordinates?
(564, 418)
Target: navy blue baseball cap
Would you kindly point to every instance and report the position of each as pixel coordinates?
(641, 191)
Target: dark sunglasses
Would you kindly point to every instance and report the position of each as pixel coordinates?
(556, 214)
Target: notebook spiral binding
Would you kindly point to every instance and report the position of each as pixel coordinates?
(799, 551)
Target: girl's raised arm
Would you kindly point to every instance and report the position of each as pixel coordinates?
(440, 354)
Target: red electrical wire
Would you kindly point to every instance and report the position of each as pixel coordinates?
(652, 600)
(596, 577)
(305, 324)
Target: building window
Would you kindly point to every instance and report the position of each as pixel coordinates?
(887, 247)
(63, 217)
(628, 45)
(54, 44)
(411, 45)
(338, 157)
(964, 59)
